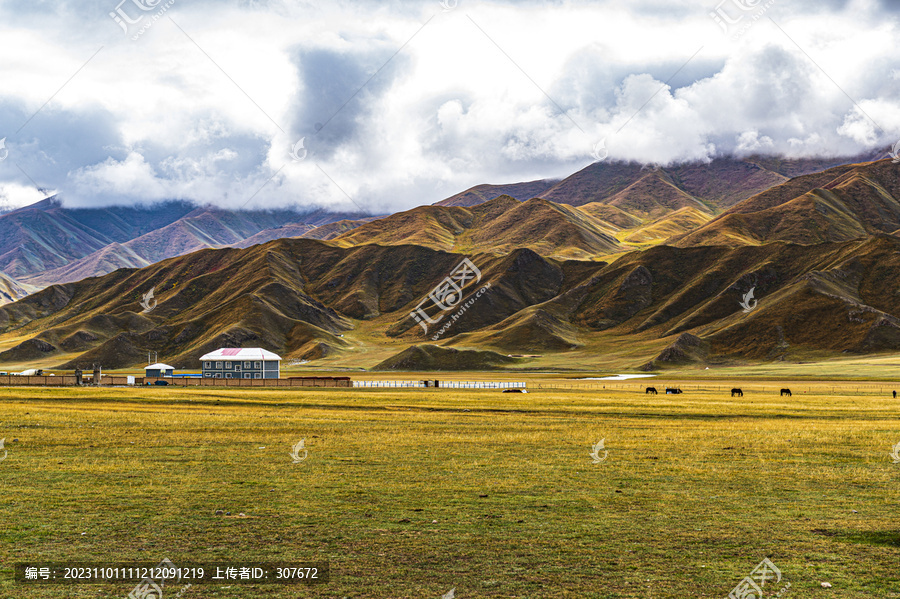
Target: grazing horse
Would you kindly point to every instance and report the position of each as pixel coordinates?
(737, 392)
(786, 392)
(672, 391)
(651, 390)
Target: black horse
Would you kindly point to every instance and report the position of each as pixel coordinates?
(737, 392)
(672, 390)
(651, 390)
(786, 392)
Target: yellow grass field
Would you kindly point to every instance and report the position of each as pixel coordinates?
(412, 493)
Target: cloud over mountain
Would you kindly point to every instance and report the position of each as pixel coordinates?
(404, 105)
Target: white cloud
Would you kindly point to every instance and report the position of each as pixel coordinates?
(16, 195)
(159, 118)
(750, 142)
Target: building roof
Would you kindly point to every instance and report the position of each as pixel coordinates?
(240, 353)
(159, 366)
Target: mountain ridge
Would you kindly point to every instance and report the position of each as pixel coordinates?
(313, 300)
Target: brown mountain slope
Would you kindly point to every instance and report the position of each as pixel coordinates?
(842, 203)
(294, 296)
(206, 300)
(485, 193)
(675, 223)
(718, 184)
(616, 217)
(332, 230)
(12, 290)
(307, 231)
(654, 195)
(547, 228)
(725, 181)
(107, 259)
(796, 167)
(299, 297)
(595, 183)
(500, 225)
(288, 230)
(429, 226)
(824, 298)
(433, 357)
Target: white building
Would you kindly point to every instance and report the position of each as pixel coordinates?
(158, 370)
(241, 363)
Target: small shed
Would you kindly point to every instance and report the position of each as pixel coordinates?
(159, 370)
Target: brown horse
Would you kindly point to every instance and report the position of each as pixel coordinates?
(737, 392)
(651, 390)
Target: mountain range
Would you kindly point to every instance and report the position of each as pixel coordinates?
(736, 260)
(48, 243)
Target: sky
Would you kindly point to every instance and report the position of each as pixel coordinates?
(353, 105)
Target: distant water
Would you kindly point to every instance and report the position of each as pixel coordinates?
(618, 377)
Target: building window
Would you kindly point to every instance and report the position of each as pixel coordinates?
(227, 375)
(218, 366)
(257, 375)
(207, 364)
(246, 375)
(257, 365)
(246, 364)
(227, 364)
(208, 375)
(237, 367)
(218, 375)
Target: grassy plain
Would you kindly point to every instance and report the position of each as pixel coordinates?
(411, 493)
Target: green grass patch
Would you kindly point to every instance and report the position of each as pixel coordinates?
(411, 493)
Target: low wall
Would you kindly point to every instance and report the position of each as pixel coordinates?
(63, 380)
(310, 381)
(116, 380)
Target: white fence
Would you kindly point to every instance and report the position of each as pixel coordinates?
(441, 384)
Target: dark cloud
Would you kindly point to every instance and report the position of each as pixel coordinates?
(339, 89)
(52, 142)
